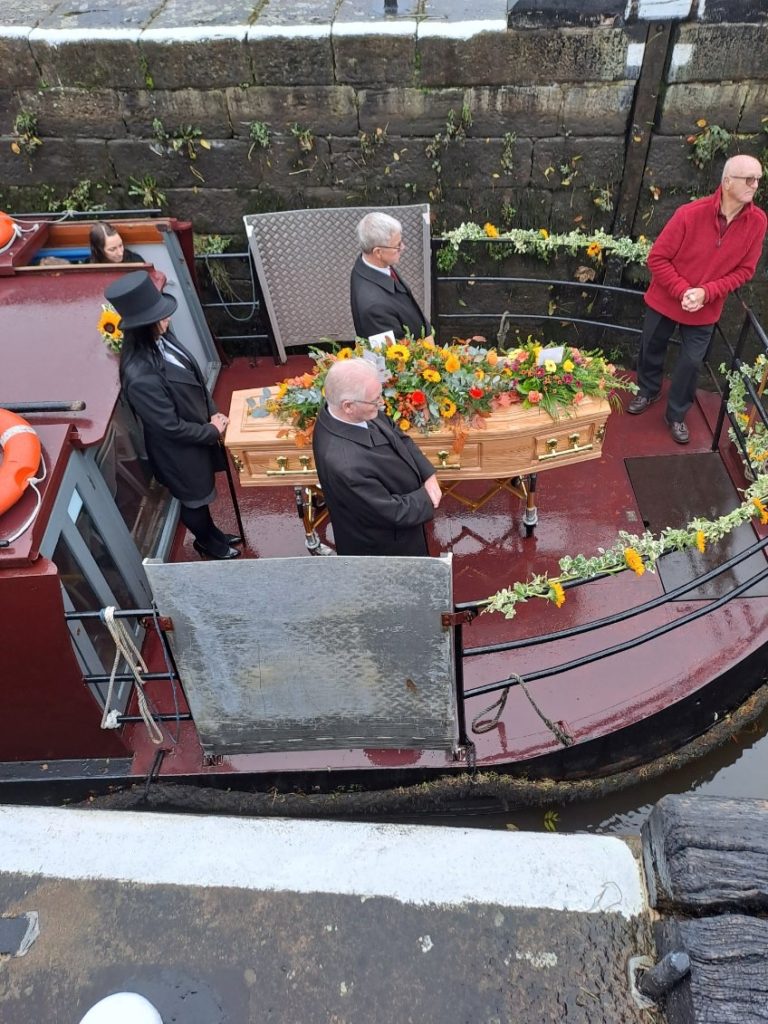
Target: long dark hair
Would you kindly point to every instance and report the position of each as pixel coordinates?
(139, 343)
(99, 234)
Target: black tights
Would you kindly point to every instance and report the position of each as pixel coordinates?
(200, 523)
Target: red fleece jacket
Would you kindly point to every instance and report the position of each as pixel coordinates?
(689, 253)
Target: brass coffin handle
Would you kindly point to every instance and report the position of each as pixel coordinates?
(443, 462)
(553, 452)
(283, 470)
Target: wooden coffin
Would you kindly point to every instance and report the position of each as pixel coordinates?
(515, 441)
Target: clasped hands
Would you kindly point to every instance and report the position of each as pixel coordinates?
(220, 421)
(432, 487)
(693, 299)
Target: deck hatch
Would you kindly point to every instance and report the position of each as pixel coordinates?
(311, 654)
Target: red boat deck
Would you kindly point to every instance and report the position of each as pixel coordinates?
(581, 509)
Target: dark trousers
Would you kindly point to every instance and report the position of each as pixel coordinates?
(199, 523)
(657, 330)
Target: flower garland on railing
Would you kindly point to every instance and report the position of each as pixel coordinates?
(543, 244)
(641, 552)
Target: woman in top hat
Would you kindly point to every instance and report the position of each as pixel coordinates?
(165, 388)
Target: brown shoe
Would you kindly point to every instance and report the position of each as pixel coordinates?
(679, 431)
(640, 403)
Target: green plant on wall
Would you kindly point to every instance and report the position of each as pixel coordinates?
(305, 137)
(370, 141)
(507, 159)
(258, 133)
(707, 142)
(602, 197)
(79, 198)
(184, 141)
(456, 126)
(215, 245)
(148, 191)
(26, 140)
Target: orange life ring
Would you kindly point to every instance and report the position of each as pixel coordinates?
(8, 230)
(21, 457)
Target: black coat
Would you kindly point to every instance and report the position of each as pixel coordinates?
(175, 407)
(379, 303)
(373, 485)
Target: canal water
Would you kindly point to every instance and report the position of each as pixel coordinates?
(739, 768)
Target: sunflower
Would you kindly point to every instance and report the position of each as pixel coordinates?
(345, 353)
(557, 594)
(404, 424)
(432, 376)
(634, 561)
(452, 364)
(109, 322)
(399, 352)
(447, 408)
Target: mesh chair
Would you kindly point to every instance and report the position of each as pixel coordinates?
(303, 259)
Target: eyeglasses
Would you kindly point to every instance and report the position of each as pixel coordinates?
(398, 248)
(367, 401)
(748, 179)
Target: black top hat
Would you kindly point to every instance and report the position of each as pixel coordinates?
(138, 301)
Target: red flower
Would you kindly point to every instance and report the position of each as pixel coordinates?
(418, 398)
(476, 392)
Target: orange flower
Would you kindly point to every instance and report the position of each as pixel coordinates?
(491, 231)
(634, 561)
(557, 594)
(762, 510)
(404, 424)
(701, 541)
(452, 364)
(543, 232)
(492, 357)
(534, 397)
(594, 249)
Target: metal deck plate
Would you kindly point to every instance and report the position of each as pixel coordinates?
(310, 654)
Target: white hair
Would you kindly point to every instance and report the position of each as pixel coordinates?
(377, 229)
(345, 379)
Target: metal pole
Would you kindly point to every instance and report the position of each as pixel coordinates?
(25, 408)
(233, 495)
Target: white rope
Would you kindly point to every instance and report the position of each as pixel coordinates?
(126, 648)
(33, 481)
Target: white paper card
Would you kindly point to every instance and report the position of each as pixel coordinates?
(378, 341)
(555, 354)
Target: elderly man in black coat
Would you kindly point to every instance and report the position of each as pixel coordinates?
(379, 487)
(381, 300)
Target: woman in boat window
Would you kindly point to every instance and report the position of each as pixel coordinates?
(163, 385)
(107, 246)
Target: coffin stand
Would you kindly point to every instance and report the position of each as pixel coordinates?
(515, 445)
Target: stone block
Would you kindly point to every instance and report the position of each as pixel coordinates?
(86, 113)
(755, 108)
(597, 108)
(530, 110)
(485, 163)
(533, 13)
(371, 13)
(27, 13)
(715, 53)
(178, 61)
(281, 58)
(668, 166)
(206, 110)
(576, 163)
(137, 159)
(58, 162)
(395, 163)
(17, 65)
(88, 62)
(211, 210)
(685, 102)
(375, 59)
(533, 57)
(173, 14)
(408, 111)
(92, 19)
(325, 108)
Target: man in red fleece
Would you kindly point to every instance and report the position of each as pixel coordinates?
(707, 249)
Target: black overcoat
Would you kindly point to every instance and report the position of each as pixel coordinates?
(373, 485)
(379, 303)
(175, 406)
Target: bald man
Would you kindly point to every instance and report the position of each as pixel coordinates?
(379, 487)
(707, 249)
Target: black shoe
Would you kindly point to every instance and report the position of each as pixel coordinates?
(232, 538)
(679, 431)
(640, 403)
(230, 552)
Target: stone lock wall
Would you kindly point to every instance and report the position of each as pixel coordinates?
(550, 114)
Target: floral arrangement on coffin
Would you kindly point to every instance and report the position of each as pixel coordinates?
(109, 328)
(427, 386)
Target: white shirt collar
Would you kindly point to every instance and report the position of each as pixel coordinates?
(381, 270)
